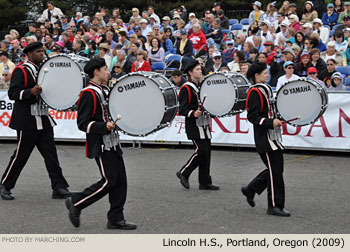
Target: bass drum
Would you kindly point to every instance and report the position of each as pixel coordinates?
(62, 78)
(304, 98)
(225, 92)
(146, 102)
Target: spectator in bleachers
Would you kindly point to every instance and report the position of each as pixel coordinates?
(285, 8)
(145, 29)
(276, 66)
(156, 52)
(253, 54)
(132, 56)
(238, 57)
(91, 49)
(299, 39)
(307, 29)
(292, 9)
(262, 57)
(309, 13)
(246, 49)
(49, 43)
(281, 18)
(224, 21)
(336, 83)
(68, 46)
(312, 73)
(141, 64)
(208, 23)
(198, 40)
(209, 59)
(330, 17)
(345, 12)
(228, 53)
(240, 39)
(331, 53)
(294, 22)
(269, 49)
(297, 51)
(135, 15)
(138, 32)
(270, 14)
(166, 43)
(185, 48)
(322, 31)
(264, 32)
(23, 42)
(5, 62)
(116, 14)
(340, 43)
(117, 71)
(218, 63)
(52, 13)
(326, 74)
(258, 44)
(191, 20)
(103, 49)
(63, 23)
(79, 47)
(305, 63)
(256, 15)
(289, 75)
(214, 35)
(5, 78)
(166, 24)
(15, 51)
(31, 30)
(243, 67)
(315, 42)
(123, 40)
(283, 31)
(338, 7)
(152, 14)
(177, 79)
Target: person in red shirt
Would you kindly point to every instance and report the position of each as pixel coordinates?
(269, 49)
(141, 64)
(198, 40)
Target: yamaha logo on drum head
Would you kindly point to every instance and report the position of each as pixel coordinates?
(120, 89)
(216, 82)
(60, 64)
(285, 92)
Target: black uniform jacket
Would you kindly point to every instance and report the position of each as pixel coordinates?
(92, 119)
(258, 106)
(188, 105)
(22, 80)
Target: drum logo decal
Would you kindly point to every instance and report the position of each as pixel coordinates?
(60, 64)
(216, 82)
(131, 86)
(297, 90)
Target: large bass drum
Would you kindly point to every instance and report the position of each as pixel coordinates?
(305, 98)
(226, 93)
(146, 102)
(62, 78)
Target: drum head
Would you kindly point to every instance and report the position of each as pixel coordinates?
(62, 83)
(140, 103)
(221, 94)
(299, 98)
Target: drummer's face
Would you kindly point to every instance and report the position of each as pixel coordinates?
(262, 77)
(36, 56)
(197, 72)
(103, 74)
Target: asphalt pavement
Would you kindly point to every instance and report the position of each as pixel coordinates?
(317, 194)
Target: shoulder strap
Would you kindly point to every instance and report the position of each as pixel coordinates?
(20, 66)
(189, 93)
(260, 95)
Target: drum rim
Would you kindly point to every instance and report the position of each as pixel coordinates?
(320, 91)
(160, 126)
(82, 73)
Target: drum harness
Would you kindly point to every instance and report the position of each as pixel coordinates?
(275, 134)
(110, 140)
(204, 119)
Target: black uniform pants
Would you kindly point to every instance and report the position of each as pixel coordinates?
(201, 159)
(27, 140)
(113, 182)
(271, 178)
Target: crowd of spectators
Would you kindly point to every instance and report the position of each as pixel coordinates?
(292, 43)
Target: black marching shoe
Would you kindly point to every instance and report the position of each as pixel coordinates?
(61, 193)
(74, 213)
(209, 187)
(123, 224)
(6, 194)
(183, 180)
(249, 195)
(278, 211)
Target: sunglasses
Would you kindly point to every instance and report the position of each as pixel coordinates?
(117, 66)
(312, 73)
(290, 67)
(218, 57)
(139, 54)
(4, 74)
(330, 64)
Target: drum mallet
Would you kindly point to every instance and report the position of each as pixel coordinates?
(201, 106)
(45, 72)
(291, 120)
(118, 118)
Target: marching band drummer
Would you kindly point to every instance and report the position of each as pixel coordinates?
(267, 141)
(197, 124)
(34, 126)
(102, 144)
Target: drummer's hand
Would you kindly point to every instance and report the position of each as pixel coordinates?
(36, 90)
(277, 123)
(110, 126)
(197, 113)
